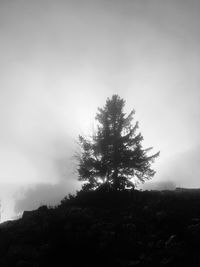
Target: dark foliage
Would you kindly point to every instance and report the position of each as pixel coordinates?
(119, 228)
(113, 156)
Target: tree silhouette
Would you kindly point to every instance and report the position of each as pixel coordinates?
(113, 155)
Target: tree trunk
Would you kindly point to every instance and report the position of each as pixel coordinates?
(115, 180)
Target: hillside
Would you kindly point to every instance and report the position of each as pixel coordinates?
(129, 228)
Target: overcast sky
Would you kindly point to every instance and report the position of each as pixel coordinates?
(60, 60)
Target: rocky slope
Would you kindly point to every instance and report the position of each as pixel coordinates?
(130, 228)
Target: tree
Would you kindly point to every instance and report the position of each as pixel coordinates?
(113, 155)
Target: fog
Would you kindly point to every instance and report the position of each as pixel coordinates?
(60, 60)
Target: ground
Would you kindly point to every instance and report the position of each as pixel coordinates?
(129, 228)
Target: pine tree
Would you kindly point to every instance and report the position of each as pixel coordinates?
(113, 156)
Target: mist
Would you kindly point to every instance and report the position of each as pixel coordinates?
(61, 60)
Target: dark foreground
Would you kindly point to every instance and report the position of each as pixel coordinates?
(107, 229)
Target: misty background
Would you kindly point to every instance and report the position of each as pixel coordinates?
(60, 60)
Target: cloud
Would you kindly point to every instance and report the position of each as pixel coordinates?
(183, 168)
(61, 59)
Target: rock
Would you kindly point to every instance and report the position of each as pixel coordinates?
(171, 241)
(194, 229)
(129, 227)
(194, 233)
(23, 263)
(160, 244)
(129, 263)
(161, 216)
(166, 261)
(195, 220)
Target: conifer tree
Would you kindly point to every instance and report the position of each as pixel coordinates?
(113, 157)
